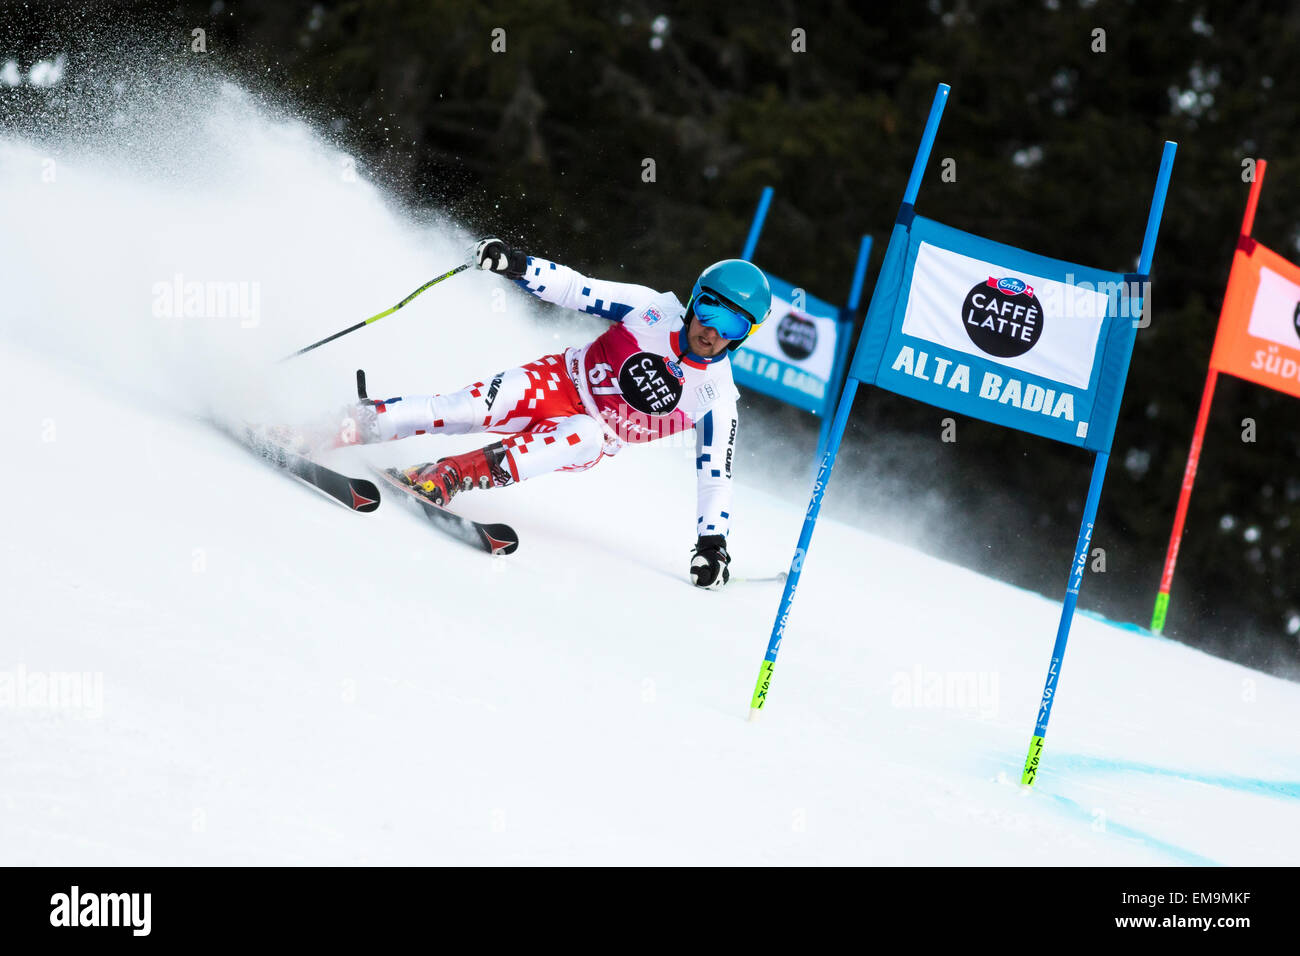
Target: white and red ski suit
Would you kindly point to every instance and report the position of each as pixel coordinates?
(636, 382)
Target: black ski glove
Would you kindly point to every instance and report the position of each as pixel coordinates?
(709, 561)
(496, 256)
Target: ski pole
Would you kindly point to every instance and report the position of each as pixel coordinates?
(375, 318)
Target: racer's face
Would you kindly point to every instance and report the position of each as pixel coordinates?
(704, 341)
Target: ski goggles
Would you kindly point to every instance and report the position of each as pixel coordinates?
(724, 318)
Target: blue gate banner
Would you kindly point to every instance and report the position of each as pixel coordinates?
(997, 333)
(792, 356)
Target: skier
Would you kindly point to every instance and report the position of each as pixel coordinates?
(657, 370)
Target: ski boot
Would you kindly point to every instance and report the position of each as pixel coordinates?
(442, 480)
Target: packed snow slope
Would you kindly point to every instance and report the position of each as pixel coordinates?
(282, 681)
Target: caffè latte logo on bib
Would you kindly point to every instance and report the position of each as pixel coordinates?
(648, 384)
(1003, 317)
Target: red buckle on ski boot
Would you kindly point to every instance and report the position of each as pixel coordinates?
(443, 479)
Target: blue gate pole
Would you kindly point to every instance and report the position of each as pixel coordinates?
(859, 274)
(843, 334)
(1030, 772)
(764, 682)
(756, 227)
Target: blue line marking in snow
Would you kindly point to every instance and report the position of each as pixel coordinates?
(1121, 625)
(1118, 829)
(1083, 764)
(1277, 789)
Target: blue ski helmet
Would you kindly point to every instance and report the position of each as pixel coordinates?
(728, 292)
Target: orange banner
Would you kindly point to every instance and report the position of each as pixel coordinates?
(1259, 328)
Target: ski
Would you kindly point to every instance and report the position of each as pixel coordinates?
(359, 494)
(772, 578)
(492, 538)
